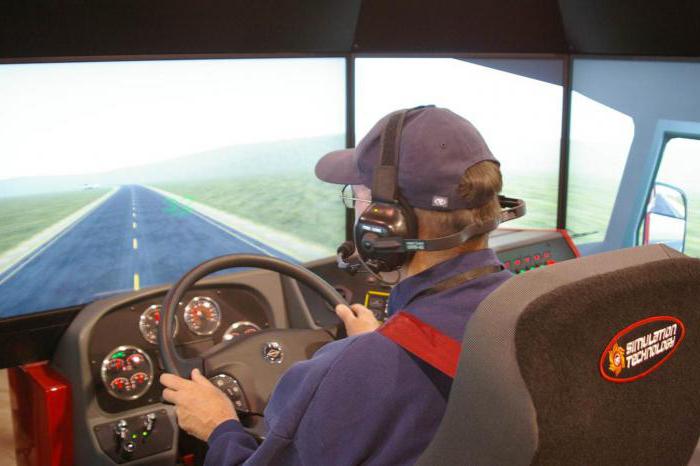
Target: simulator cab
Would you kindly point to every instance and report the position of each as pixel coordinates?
(159, 211)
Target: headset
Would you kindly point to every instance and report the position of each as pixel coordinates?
(386, 233)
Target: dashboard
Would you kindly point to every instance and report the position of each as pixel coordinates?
(110, 356)
(123, 351)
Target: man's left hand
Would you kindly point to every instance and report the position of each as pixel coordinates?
(200, 406)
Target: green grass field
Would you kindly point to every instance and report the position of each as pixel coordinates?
(692, 242)
(24, 216)
(539, 190)
(298, 204)
(303, 206)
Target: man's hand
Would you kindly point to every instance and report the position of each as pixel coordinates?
(200, 406)
(357, 319)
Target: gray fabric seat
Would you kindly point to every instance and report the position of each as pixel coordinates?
(541, 382)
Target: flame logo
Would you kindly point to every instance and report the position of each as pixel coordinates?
(616, 357)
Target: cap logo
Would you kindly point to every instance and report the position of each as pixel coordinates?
(641, 348)
(440, 201)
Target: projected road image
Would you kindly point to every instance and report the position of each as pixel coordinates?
(135, 238)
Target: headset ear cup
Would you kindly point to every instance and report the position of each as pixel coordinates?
(409, 216)
(411, 220)
(383, 220)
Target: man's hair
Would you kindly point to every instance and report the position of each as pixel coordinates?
(480, 186)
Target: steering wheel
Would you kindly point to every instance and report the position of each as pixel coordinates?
(246, 368)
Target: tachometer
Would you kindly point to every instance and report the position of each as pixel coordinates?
(240, 328)
(202, 315)
(127, 372)
(148, 324)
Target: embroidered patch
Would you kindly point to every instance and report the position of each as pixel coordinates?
(440, 201)
(640, 348)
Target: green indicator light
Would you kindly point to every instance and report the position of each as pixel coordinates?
(118, 355)
(144, 433)
(134, 435)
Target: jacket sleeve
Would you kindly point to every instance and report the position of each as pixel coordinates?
(229, 444)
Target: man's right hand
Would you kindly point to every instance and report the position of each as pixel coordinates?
(357, 319)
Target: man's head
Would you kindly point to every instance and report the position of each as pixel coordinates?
(446, 172)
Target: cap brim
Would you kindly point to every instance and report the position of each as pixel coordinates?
(338, 167)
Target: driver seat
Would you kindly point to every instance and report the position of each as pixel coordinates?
(556, 369)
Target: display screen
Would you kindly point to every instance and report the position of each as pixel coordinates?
(121, 175)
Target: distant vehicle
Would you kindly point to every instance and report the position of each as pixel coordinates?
(88, 186)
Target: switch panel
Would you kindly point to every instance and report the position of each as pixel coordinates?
(232, 389)
(136, 437)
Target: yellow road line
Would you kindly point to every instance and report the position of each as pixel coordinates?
(137, 282)
(133, 214)
(133, 225)
(135, 243)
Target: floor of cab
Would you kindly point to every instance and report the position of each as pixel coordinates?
(7, 443)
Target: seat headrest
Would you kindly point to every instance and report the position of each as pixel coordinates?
(590, 361)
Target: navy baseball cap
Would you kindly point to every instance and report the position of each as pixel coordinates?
(437, 146)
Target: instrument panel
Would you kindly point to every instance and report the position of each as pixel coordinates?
(123, 347)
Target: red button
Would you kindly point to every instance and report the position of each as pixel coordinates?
(527, 259)
(537, 257)
(506, 265)
(546, 254)
(550, 262)
(517, 262)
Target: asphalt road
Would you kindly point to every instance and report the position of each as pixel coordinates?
(136, 238)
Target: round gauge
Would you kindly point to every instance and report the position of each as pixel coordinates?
(202, 315)
(120, 385)
(149, 322)
(127, 372)
(115, 365)
(238, 329)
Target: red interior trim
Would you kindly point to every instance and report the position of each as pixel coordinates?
(570, 242)
(423, 341)
(41, 416)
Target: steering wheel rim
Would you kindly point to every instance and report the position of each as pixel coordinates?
(172, 361)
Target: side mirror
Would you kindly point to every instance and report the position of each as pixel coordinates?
(666, 219)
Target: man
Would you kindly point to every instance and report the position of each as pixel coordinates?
(365, 399)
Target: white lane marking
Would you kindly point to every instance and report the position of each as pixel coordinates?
(133, 215)
(137, 282)
(43, 248)
(133, 225)
(135, 243)
(237, 236)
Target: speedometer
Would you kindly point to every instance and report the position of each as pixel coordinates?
(202, 315)
(148, 324)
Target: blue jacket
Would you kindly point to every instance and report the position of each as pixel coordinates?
(364, 400)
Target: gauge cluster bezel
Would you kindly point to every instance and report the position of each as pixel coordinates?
(208, 303)
(104, 372)
(143, 319)
(228, 333)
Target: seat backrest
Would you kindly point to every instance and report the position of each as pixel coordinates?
(594, 361)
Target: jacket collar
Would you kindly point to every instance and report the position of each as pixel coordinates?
(409, 287)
